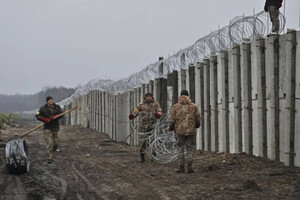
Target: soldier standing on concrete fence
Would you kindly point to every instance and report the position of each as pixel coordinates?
(184, 119)
(150, 110)
(46, 114)
(272, 6)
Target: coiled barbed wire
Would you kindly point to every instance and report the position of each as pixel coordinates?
(242, 29)
(162, 146)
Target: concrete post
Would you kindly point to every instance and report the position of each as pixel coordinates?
(126, 125)
(109, 113)
(191, 83)
(259, 97)
(155, 88)
(187, 81)
(106, 111)
(297, 103)
(162, 98)
(214, 103)
(246, 98)
(169, 92)
(237, 98)
(143, 89)
(161, 66)
(93, 109)
(175, 87)
(223, 99)
(151, 86)
(102, 116)
(99, 111)
(131, 108)
(96, 118)
(207, 107)
(73, 122)
(115, 114)
(68, 117)
(197, 102)
(141, 93)
(78, 111)
(183, 77)
(84, 114)
(232, 138)
(272, 94)
(136, 102)
(287, 76)
(200, 92)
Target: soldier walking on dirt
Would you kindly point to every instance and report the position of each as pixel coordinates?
(184, 119)
(150, 110)
(46, 114)
(272, 6)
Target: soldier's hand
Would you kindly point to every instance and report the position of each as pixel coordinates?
(131, 117)
(53, 117)
(171, 128)
(157, 115)
(45, 120)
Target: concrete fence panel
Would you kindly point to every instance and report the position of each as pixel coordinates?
(248, 97)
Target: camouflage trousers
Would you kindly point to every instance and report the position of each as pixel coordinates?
(52, 141)
(143, 145)
(188, 143)
(274, 13)
(143, 139)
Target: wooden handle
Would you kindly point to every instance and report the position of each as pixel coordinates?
(39, 126)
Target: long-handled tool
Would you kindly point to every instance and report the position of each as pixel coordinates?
(39, 126)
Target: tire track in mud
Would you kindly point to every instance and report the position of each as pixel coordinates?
(88, 184)
(13, 187)
(157, 193)
(79, 185)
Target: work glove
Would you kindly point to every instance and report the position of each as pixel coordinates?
(131, 117)
(198, 124)
(45, 120)
(53, 117)
(266, 8)
(171, 128)
(157, 115)
(279, 4)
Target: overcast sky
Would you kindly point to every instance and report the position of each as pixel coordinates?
(69, 42)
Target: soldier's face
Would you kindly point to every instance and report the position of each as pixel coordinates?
(50, 102)
(148, 98)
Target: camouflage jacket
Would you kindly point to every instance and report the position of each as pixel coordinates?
(185, 116)
(147, 110)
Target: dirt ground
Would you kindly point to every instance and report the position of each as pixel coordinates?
(91, 166)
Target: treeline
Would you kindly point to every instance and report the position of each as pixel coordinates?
(18, 102)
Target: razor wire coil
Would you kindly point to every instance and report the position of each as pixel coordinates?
(241, 29)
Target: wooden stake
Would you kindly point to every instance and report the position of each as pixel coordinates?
(39, 126)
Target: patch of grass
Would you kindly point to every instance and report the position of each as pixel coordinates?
(8, 117)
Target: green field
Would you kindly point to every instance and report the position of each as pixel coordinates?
(8, 117)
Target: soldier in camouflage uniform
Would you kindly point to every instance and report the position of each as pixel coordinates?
(184, 119)
(48, 114)
(272, 6)
(150, 110)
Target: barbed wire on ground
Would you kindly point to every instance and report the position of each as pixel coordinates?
(161, 142)
(241, 29)
(162, 145)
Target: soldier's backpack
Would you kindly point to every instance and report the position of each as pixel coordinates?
(16, 153)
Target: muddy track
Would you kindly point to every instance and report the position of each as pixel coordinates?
(91, 166)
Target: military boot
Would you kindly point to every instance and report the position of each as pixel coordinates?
(181, 169)
(189, 168)
(142, 157)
